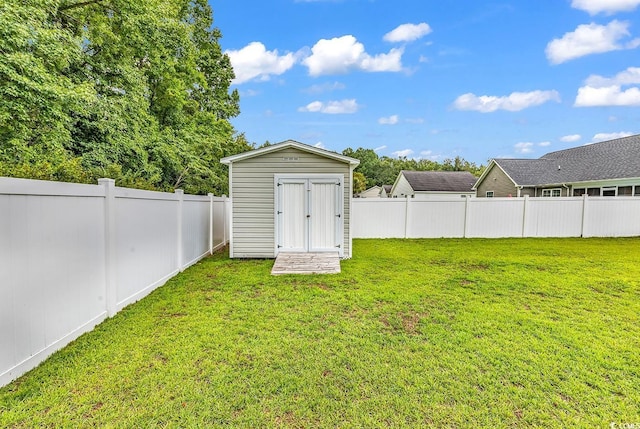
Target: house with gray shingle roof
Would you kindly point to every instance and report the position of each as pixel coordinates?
(433, 184)
(610, 168)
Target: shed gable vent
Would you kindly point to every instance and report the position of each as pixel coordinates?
(290, 158)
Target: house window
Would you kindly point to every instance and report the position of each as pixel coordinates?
(551, 192)
(579, 192)
(593, 192)
(489, 194)
(637, 191)
(625, 191)
(609, 191)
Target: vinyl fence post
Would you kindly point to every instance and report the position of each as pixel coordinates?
(111, 295)
(210, 223)
(584, 214)
(525, 208)
(225, 206)
(466, 216)
(180, 197)
(407, 217)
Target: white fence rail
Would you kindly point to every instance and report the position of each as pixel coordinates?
(72, 255)
(496, 217)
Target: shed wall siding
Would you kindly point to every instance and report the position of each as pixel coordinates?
(253, 197)
(498, 182)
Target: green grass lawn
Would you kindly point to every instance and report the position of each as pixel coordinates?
(448, 333)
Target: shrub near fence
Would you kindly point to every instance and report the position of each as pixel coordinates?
(72, 255)
(496, 217)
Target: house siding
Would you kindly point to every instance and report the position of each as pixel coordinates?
(253, 198)
(497, 181)
(402, 188)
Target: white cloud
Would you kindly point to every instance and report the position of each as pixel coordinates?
(391, 120)
(544, 144)
(343, 54)
(629, 76)
(570, 138)
(407, 32)
(324, 87)
(523, 147)
(402, 153)
(603, 91)
(255, 62)
(594, 7)
(514, 102)
(607, 96)
(319, 145)
(600, 137)
(332, 107)
(379, 148)
(589, 39)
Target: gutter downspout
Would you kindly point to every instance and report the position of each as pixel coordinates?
(564, 185)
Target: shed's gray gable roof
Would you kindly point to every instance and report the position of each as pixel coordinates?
(613, 159)
(290, 144)
(443, 181)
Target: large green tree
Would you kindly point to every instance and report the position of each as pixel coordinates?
(134, 90)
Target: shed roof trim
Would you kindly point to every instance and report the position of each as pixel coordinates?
(288, 144)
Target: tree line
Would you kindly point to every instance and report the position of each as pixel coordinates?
(138, 91)
(133, 90)
(375, 170)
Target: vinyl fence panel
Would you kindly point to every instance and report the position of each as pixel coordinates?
(71, 255)
(612, 217)
(379, 218)
(220, 214)
(553, 217)
(52, 273)
(436, 218)
(146, 240)
(195, 227)
(495, 217)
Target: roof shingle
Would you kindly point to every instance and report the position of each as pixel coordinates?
(613, 159)
(443, 181)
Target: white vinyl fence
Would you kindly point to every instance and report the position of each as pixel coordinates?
(496, 217)
(72, 255)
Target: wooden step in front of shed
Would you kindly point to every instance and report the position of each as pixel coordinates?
(306, 263)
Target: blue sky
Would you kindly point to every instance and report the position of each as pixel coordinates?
(435, 79)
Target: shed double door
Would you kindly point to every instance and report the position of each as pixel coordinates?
(309, 215)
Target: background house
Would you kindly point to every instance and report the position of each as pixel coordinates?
(433, 184)
(372, 192)
(610, 168)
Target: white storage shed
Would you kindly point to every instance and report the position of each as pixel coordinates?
(290, 197)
